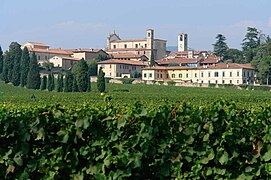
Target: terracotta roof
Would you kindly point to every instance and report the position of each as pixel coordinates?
(169, 68)
(70, 58)
(228, 66)
(210, 60)
(127, 55)
(129, 49)
(87, 50)
(217, 66)
(178, 60)
(37, 44)
(50, 51)
(129, 62)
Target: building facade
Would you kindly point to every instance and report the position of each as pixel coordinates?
(63, 62)
(114, 68)
(216, 74)
(137, 46)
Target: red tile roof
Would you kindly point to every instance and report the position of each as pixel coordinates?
(135, 40)
(37, 44)
(129, 62)
(178, 60)
(50, 51)
(127, 55)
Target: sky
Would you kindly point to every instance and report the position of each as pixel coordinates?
(87, 23)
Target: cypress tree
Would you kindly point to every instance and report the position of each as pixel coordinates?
(25, 60)
(4, 75)
(101, 80)
(82, 77)
(59, 83)
(74, 85)
(1, 60)
(68, 81)
(15, 56)
(43, 83)
(50, 84)
(33, 76)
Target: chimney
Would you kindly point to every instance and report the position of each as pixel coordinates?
(227, 65)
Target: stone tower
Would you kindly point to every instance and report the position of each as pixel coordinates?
(182, 42)
(150, 36)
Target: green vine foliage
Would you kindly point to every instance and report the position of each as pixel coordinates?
(102, 141)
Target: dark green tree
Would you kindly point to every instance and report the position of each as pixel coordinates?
(15, 56)
(1, 60)
(50, 83)
(250, 43)
(92, 67)
(25, 60)
(101, 80)
(265, 69)
(59, 82)
(220, 46)
(68, 80)
(74, 85)
(33, 76)
(101, 57)
(43, 83)
(234, 56)
(80, 71)
(4, 75)
(152, 63)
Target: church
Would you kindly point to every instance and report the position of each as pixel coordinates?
(143, 46)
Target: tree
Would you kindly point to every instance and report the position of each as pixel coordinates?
(68, 81)
(265, 69)
(234, 56)
(50, 83)
(220, 47)
(4, 75)
(74, 85)
(15, 56)
(43, 83)
(33, 76)
(80, 71)
(59, 83)
(250, 42)
(92, 67)
(152, 63)
(101, 80)
(101, 57)
(1, 60)
(25, 60)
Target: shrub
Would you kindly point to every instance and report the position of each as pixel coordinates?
(171, 83)
(127, 80)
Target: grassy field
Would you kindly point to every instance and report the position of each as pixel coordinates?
(128, 94)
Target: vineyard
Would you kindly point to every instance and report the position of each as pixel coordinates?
(135, 132)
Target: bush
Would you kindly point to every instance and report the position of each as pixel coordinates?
(153, 81)
(212, 85)
(127, 80)
(161, 82)
(171, 83)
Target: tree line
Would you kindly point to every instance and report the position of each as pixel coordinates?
(256, 49)
(18, 67)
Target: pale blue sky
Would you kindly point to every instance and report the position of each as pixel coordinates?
(87, 23)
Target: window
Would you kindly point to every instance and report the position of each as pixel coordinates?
(238, 73)
(149, 34)
(180, 75)
(158, 75)
(187, 75)
(216, 81)
(166, 75)
(230, 81)
(209, 74)
(209, 82)
(161, 76)
(150, 75)
(230, 74)
(136, 46)
(223, 81)
(114, 46)
(172, 75)
(45, 57)
(117, 74)
(195, 75)
(237, 81)
(145, 75)
(201, 82)
(216, 74)
(145, 45)
(202, 74)
(110, 66)
(125, 45)
(120, 66)
(38, 57)
(223, 74)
